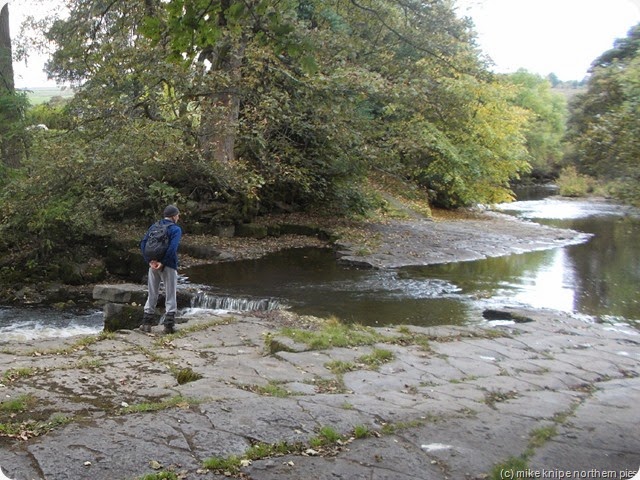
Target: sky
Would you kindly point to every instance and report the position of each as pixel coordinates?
(549, 36)
(542, 36)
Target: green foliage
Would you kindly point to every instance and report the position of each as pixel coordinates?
(231, 464)
(573, 184)
(160, 476)
(326, 436)
(361, 431)
(186, 375)
(244, 108)
(334, 334)
(377, 358)
(12, 136)
(473, 157)
(625, 189)
(54, 114)
(546, 126)
(540, 436)
(75, 179)
(513, 467)
(603, 126)
(18, 404)
(12, 110)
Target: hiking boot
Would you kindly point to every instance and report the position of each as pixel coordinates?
(169, 323)
(147, 321)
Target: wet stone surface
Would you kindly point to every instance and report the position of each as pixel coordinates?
(470, 399)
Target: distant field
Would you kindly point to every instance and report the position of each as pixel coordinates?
(38, 95)
(569, 93)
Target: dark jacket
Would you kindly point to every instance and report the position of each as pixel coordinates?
(170, 258)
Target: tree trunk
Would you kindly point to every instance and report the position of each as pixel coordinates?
(220, 111)
(11, 146)
(6, 65)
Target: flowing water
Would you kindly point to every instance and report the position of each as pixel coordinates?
(597, 279)
(31, 324)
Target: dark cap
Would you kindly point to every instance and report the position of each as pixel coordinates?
(171, 211)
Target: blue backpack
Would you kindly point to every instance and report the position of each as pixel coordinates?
(157, 241)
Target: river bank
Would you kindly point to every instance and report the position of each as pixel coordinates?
(383, 242)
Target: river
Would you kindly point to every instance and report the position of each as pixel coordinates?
(598, 279)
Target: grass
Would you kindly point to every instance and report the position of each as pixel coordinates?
(160, 476)
(496, 396)
(334, 334)
(372, 361)
(339, 366)
(329, 385)
(227, 466)
(516, 467)
(38, 95)
(80, 344)
(177, 401)
(324, 443)
(376, 358)
(31, 428)
(540, 436)
(14, 374)
(361, 431)
(326, 436)
(272, 389)
(186, 375)
(18, 404)
(513, 467)
(230, 466)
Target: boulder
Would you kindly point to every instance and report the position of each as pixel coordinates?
(121, 293)
(118, 316)
(251, 230)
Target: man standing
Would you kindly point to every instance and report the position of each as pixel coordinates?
(165, 269)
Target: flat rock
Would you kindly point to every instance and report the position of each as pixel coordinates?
(454, 411)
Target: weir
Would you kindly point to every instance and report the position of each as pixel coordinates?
(123, 303)
(235, 304)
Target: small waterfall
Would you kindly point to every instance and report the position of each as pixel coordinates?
(234, 304)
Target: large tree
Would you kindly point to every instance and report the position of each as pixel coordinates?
(546, 127)
(12, 104)
(6, 63)
(267, 103)
(604, 121)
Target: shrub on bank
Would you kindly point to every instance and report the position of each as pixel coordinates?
(574, 184)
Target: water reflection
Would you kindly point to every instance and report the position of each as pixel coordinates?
(310, 281)
(598, 278)
(603, 275)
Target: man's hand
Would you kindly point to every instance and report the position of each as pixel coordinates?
(156, 265)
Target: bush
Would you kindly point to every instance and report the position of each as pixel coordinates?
(626, 190)
(574, 184)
